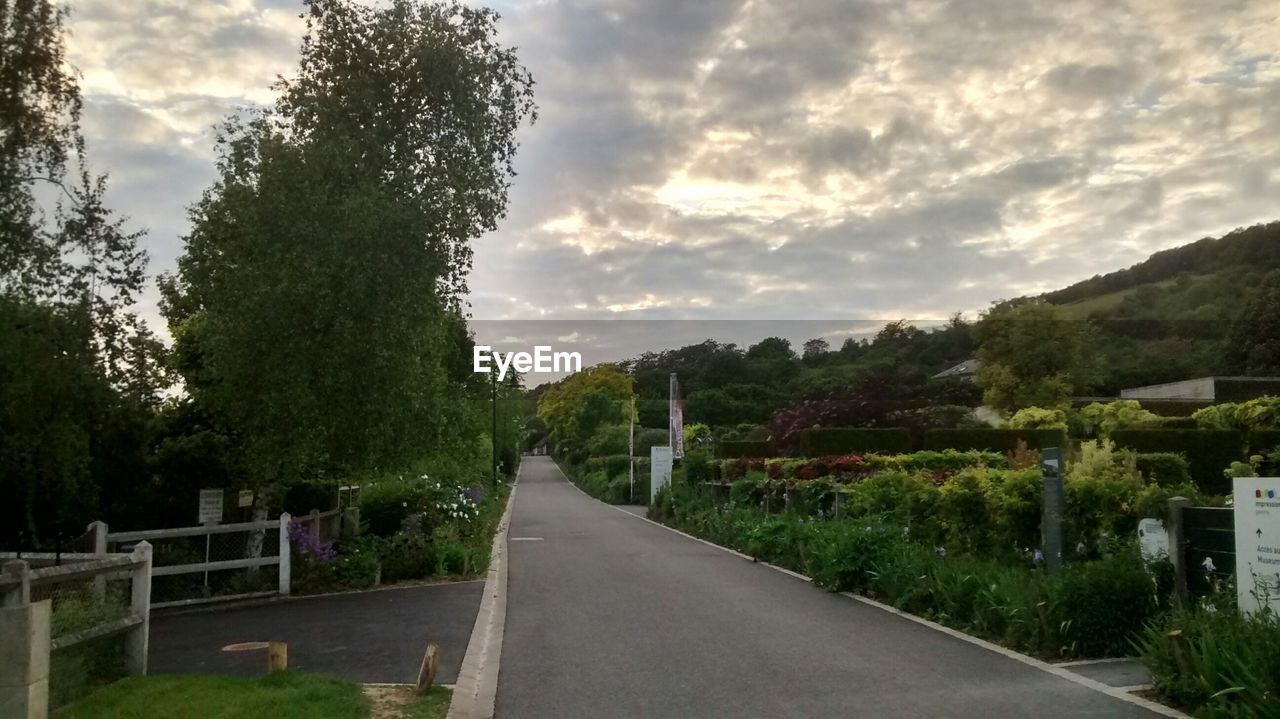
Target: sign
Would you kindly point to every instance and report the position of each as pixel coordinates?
(245, 498)
(1256, 502)
(675, 419)
(1153, 540)
(659, 470)
(210, 506)
(1052, 510)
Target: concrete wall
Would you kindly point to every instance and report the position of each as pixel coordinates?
(1202, 388)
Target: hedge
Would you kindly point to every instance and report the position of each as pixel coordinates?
(1208, 451)
(744, 448)
(823, 442)
(1262, 441)
(1166, 469)
(993, 440)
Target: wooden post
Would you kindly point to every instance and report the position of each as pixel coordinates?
(315, 526)
(1178, 545)
(99, 532)
(837, 503)
(1042, 609)
(427, 672)
(140, 604)
(284, 554)
(1178, 644)
(277, 657)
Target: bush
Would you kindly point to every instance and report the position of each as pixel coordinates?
(1039, 418)
(733, 449)
(1234, 661)
(617, 466)
(949, 460)
(608, 439)
(406, 556)
(697, 467)
(647, 439)
(302, 497)
(1263, 441)
(1208, 452)
(993, 440)
(821, 442)
(1098, 607)
(1164, 468)
(385, 505)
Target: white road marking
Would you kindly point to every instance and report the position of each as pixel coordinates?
(525, 539)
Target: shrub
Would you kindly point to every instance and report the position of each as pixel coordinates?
(900, 498)
(1099, 606)
(1233, 660)
(617, 466)
(385, 505)
(1208, 452)
(1164, 468)
(302, 497)
(733, 449)
(647, 439)
(948, 460)
(1039, 418)
(1106, 418)
(608, 439)
(697, 467)
(406, 556)
(819, 442)
(993, 440)
(1262, 441)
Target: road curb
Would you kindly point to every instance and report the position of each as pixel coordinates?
(476, 691)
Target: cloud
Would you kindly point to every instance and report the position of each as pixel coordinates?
(762, 159)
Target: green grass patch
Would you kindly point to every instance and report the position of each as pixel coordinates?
(282, 695)
(435, 705)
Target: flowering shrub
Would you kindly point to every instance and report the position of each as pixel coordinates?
(307, 545)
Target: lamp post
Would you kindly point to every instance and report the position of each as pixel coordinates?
(493, 377)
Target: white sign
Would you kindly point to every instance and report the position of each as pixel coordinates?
(1153, 539)
(659, 470)
(210, 506)
(245, 498)
(1257, 516)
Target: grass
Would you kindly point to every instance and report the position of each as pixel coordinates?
(435, 705)
(277, 696)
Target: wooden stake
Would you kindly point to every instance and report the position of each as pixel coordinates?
(1042, 609)
(277, 657)
(1178, 643)
(427, 673)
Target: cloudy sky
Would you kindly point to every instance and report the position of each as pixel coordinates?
(776, 159)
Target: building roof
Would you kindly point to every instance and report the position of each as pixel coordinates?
(967, 368)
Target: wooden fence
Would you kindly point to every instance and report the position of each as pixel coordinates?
(27, 624)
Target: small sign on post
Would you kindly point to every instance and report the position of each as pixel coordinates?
(1051, 517)
(210, 506)
(660, 459)
(1256, 502)
(245, 498)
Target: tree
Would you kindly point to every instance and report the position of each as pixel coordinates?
(560, 407)
(75, 360)
(1033, 356)
(1253, 347)
(317, 304)
(814, 350)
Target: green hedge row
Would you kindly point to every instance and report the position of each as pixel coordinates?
(1208, 451)
(822, 442)
(1262, 441)
(993, 440)
(744, 448)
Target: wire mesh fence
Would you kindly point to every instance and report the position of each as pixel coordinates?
(208, 563)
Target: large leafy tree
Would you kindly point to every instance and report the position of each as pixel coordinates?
(1033, 356)
(317, 307)
(75, 361)
(1254, 344)
(584, 400)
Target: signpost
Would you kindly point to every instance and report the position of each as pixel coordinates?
(659, 470)
(1051, 519)
(1153, 540)
(210, 513)
(1256, 502)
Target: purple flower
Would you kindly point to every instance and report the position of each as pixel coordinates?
(301, 539)
(473, 493)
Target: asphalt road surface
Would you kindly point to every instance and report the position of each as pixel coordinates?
(611, 616)
(377, 636)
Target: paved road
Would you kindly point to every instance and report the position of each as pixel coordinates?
(610, 616)
(376, 636)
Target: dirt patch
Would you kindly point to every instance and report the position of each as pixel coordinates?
(388, 701)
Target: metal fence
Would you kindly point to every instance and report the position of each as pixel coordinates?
(1202, 546)
(76, 619)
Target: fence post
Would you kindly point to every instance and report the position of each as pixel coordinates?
(135, 649)
(99, 532)
(315, 526)
(1178, 545)
(836, 503)
(24, 648)
(284, 553)
(351, 522)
